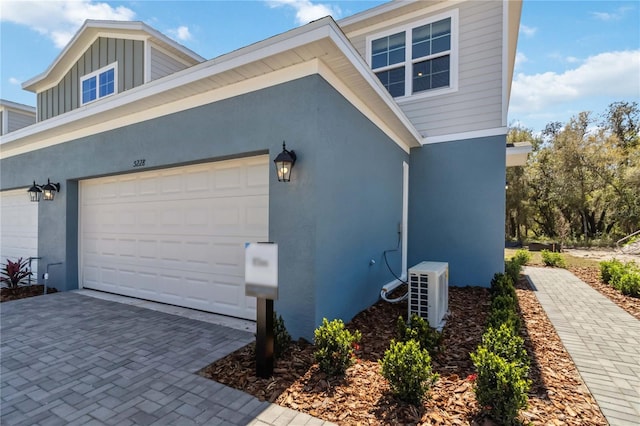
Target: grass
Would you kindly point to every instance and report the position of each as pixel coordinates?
(572, 261)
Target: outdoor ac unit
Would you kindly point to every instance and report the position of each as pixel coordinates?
(429, 292)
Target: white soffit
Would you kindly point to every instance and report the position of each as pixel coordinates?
(316, 48)
(517, 153)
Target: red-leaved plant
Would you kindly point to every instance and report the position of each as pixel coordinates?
(14, 273)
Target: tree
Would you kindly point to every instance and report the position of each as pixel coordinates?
(582, 180)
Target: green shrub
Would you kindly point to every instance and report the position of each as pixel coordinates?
(501, 386)
(512, 269)
(407, 367)
(553, 259)
(509, 317)
(502, 284)
(418, 329)
(522, 257)
(629, 283)
(334, 347)
(282, 338)
(610, 269)
(503, 301)
(504, 342)
(15, 273)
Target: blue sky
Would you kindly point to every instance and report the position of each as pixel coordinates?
(572, 55)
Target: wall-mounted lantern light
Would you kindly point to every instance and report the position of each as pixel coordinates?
(48, 191)
(284, 163)
(34, 192)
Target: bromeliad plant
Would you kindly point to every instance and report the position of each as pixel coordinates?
(15, 273)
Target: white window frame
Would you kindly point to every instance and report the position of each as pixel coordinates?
(96, 74)
(408, 62)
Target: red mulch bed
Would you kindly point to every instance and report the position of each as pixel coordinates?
(557, 397)
(7, 294)
(591, 276)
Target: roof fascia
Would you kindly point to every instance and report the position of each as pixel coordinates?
(76, 47)
(370, 13)
(315, 31)
(14, 105)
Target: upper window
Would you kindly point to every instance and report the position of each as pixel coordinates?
(418, 59)
(98, 84)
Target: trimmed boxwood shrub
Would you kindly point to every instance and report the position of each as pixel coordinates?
(418, 329)
(334, 347)
(504, 342)
(502, 284)
(629, 283)
(624, 277)
(407, 367)
(553, 259)
(501, 386)
(610, 269)
(522, 257)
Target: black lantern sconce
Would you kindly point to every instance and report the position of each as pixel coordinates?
(48, 191)
(284, 163)
(34, 192)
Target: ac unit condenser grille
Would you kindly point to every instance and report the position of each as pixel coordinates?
(419, 295)
(429, 292)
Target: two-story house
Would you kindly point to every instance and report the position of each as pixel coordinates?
(397, 116)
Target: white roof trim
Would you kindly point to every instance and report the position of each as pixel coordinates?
(112, 112)
(498, 131)
(14, 105)
(105, 28)
(375, 11)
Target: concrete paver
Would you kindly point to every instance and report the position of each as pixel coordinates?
(602, 339)
(66, 358)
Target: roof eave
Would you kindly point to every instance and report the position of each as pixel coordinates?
(74, 47)
(317, 31)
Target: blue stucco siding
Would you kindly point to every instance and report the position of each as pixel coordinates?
(359, 187)
(456, 207)
(340, 210)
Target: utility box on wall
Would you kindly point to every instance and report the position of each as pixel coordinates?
(429, 292)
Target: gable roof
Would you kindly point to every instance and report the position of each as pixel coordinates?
(319, 47)
(27, 109)
(89, 32)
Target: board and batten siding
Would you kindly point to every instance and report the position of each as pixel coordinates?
(477, 104)
(163, 64)
(65, 96)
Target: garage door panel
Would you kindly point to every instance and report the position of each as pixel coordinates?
(176, 235)
(18, 226)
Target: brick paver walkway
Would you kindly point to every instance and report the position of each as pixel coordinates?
(69, 359)
(602, 339)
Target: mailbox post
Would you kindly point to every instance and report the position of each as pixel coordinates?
(261, 281)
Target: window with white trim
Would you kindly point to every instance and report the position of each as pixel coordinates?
(417, 58)
(99, 84)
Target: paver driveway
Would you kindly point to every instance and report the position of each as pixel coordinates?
(71, 359)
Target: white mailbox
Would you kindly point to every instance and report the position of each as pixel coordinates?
(261, 270)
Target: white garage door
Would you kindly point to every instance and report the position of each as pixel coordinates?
(18, 226)
(176, 235)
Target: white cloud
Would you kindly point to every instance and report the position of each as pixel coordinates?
(618, 14)
(59, 20)
(521, 58)
(613, 74)
(14, 81)
(307, 11)
(528, 31)
(181, 33)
